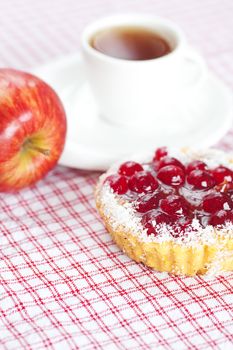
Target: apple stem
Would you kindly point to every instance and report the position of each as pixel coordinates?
(46, 152)
(29, 144)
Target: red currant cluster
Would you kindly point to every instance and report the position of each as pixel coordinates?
(157, 192)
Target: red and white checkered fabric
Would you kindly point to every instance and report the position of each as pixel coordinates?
(64, 283)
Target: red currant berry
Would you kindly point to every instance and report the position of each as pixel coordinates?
(152, 219)
(219, 218)
(201, 179)
(171, 175)
(129, 168)
(148, 202)
(165, 161)
(143, 181)
(196, 165)
(160, 153)
(230, 216)
(222, 174)
(174, 205)
(229, 191)
(225, 187)
(150, 229)
(118, 184)
(216, 201)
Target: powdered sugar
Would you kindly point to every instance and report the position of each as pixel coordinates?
(121, 214)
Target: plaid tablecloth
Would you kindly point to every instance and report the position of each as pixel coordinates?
(64, 283)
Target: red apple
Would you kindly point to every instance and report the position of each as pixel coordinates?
(32, 129)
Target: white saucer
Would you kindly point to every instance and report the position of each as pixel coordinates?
(93, 143)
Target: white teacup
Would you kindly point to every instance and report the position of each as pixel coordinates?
(139, 92)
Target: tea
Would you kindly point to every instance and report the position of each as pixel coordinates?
(130, 43)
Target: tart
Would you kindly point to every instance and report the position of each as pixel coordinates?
(172, 210)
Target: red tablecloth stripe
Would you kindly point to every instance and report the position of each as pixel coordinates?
(64, 283)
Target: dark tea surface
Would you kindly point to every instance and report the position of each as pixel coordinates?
(130, 43)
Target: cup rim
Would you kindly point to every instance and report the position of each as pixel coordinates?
(133, 19)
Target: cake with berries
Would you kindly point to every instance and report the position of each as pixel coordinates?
(172, 210)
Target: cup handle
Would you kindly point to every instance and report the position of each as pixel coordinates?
(195, 74)
(196, 64)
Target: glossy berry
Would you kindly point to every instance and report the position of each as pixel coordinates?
(171, 175)
(174, 205)
(129, 168)
(222, 174)
(143, 182)
(220, 218)
(148, 202)
(201, 179)
(153, 218)
(225, 187)
(196, 165)
(214, 202)
(118, 184)
(160, 153)
(165, 161)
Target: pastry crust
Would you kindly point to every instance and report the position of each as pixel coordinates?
(172, 255)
